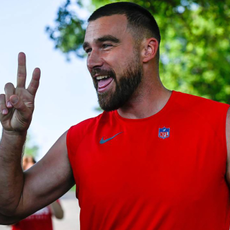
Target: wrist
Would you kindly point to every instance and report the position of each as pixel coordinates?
(14, 136)
(12, 140)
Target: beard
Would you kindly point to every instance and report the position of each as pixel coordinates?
(128, 82)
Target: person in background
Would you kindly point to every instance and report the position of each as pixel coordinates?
(42, 219)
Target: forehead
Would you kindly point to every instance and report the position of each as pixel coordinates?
(115, 25)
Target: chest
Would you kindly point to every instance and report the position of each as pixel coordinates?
(163, 160)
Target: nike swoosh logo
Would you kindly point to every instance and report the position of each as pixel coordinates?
(103, 141)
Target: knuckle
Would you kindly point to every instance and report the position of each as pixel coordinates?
(21, 74)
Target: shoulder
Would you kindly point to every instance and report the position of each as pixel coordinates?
(90, 125)
(91, 122)
(185, 98)
(199, 104)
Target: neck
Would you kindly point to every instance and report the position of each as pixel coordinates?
(147, 102)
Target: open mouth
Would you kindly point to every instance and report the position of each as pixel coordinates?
(103, 83)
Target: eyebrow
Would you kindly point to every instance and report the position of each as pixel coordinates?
(108, 38)
(103, 39)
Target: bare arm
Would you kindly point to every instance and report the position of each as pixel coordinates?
(49, 178)
(16, 108)
(45, 182)
(11, 177)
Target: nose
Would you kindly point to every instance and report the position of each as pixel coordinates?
(94, 59)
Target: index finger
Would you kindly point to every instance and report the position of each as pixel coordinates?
(21, 75)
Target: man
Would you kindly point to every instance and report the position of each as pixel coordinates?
(155, 159)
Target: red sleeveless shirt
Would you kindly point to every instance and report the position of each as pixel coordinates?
(163, 172)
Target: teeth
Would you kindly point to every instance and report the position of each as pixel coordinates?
(101, 77)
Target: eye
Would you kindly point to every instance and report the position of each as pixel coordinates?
(88, 50)
(106, 45)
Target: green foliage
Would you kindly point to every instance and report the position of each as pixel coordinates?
(30, 149)
(69, 31)
(195, 51)
(195, 47)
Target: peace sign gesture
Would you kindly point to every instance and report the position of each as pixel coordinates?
(17, 104)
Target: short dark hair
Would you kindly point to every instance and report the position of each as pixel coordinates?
(140, 20)
(31, 157)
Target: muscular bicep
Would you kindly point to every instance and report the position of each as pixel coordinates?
(47, 180)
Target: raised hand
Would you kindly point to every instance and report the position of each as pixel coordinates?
(17, 104)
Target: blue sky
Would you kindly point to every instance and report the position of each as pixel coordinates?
(66, 94)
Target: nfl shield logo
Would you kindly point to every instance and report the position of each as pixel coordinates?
(164, 133)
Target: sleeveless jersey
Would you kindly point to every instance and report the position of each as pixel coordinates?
(164, 172)
(41, 219)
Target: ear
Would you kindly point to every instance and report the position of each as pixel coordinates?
(149, 51)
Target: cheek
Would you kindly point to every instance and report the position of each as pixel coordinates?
(119, 61)
(113, 62)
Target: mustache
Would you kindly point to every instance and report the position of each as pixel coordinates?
(101, 71)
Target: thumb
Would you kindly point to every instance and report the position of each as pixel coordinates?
(14, 100)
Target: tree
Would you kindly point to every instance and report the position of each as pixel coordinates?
(195, 48)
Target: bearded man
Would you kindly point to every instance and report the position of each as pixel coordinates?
(154, 159)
